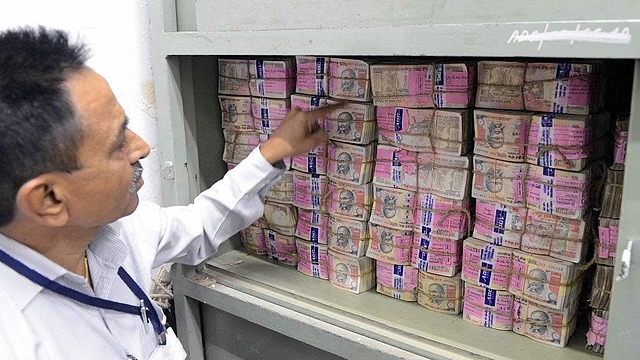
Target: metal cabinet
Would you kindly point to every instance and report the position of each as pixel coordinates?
(189, 35)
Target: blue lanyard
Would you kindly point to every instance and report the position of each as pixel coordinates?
(145, 310)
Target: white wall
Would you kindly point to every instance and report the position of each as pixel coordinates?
(117, 32)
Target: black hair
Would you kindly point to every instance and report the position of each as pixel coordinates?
(39, 132)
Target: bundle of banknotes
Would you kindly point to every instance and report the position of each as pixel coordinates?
(487, 307)
(544, 280)
(393, 208)
(238, 145)
(281, 247)
(281, 217)
(567, 142)
(420, 85)
(252, 238)
(442, 217)
(236, 112)
(621, 138)
(312, 259)
(499, 224)
(560, 238)
(350, 163)
(436, 255)
(485, 264)
(607, 240)
(349, 200)
(348, 236)
(446, 132)
(272, 78)
(444, 175)
(309, 190)
(283, 190)
(312, 226)
(597, 334)
(233, 77)
(390, 245)
(601, 287)
(612, 199)
(354, 274)
(543, 324)
(312, 76)
(440, 293)
(397, 281)
(350, 79)
(563, 88)
(353, 123)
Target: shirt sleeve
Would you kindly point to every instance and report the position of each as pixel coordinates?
(190, 234)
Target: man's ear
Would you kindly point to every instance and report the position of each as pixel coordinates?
(42, 199)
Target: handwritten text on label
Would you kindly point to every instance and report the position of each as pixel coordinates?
(597, 35)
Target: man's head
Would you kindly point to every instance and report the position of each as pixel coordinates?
(67, 157)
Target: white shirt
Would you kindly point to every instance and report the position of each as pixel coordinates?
(36, 323)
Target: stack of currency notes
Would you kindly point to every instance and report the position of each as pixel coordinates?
(501, 134)
(558, 237)
(236, 113)
(354, 274)
(353, 123)
(542, 324)
(315, 161)
(309, 190)
(349, 200)
(500, 85)
(442, 217)
(349, 79)
(601, 288)
(312, 259)
(396, 168)
(252, 238)
(390, 245)
(440, 293)
(269, 109)
(597, 335)
(499, 224)
(397, 281)
(562, 88)
(233, 75)
(487, 307)
(281, 247)
(393, 208)
(446, 132)
(238, 145)
(272, 78)
(281, 217)
(486, 265)
(350, 163)
(436, 255)
(544, 280)
(308, 102)
(612, 199)
(608, 240)
(499, 181)
(312, 226)
(621, 137)
(444, 175)
(439, 85)
(558, 192)
(283, 190)
(348, 236)
(312, 75)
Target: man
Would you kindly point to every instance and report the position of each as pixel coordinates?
(76, 247)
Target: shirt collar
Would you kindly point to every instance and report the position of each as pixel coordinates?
(109, 250)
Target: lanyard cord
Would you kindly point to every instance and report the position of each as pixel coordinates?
(145, 310)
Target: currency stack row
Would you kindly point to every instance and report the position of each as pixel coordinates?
(254, 97)
(421, 209)
(537, 142)
(607, 240)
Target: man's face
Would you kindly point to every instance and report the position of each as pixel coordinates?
(104, 189)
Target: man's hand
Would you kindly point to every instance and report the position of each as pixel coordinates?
(298, 133)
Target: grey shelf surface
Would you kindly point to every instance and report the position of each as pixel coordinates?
(545, 28)
(386, 319)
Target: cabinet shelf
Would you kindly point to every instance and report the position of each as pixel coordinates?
(387, 320)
